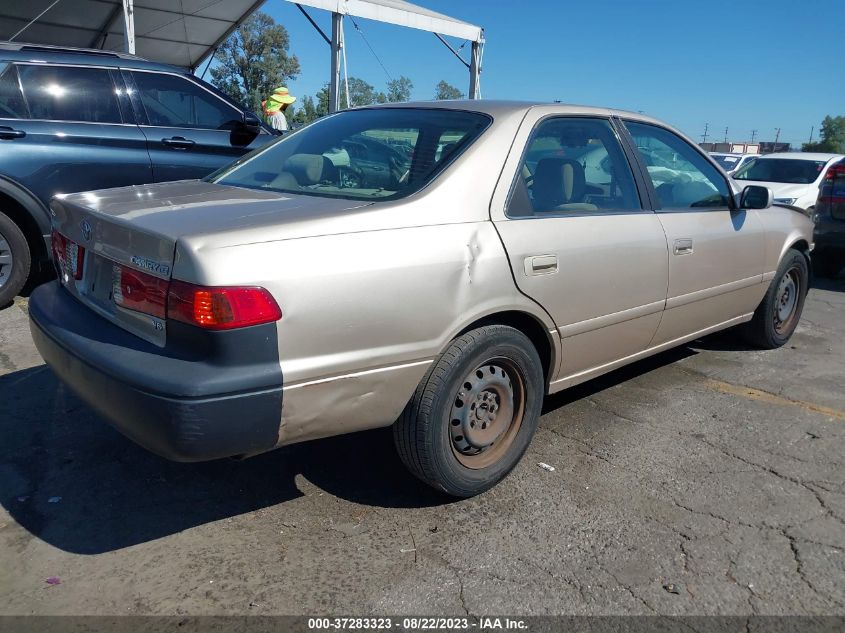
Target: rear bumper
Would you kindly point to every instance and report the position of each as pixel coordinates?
(212, 396)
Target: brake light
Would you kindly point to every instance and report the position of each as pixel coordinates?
(68, 255)
(221, 308)
(139, 291)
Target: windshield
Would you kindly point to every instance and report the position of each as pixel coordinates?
(787, 170)
(726, 162)
(380, 153)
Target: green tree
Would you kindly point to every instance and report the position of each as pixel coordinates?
(360, 93)
(306, 112)
(832, 135)
(399, 89)
(447, 91)
(254, 61)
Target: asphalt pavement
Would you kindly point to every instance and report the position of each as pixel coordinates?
(705, 480)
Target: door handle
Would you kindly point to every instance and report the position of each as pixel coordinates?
(540, 265)
(683, 247)
(178, 142)
(7, 133)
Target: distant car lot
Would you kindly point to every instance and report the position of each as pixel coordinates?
(710, 468)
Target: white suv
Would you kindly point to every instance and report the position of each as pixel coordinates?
(793, 177)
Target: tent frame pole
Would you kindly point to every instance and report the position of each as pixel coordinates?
(129, 26)
(337, 44)
(475, 71)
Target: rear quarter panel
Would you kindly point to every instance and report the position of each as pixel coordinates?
(784, 228)
(365, 314)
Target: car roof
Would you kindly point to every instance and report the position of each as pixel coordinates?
(803, 156)
(24, 52)
(496, 107)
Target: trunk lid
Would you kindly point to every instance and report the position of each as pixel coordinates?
(138, 227)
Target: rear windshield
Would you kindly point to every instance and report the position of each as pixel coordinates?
(788, 170)
(374, 154)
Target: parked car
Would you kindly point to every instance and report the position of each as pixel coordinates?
(75, 120)
(287, 297)
(731, 162)
(829, 235)
(793, 177)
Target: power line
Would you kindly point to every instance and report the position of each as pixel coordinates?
(363, 37)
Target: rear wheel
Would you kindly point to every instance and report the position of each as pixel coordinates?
(15, 260)
(777, 315)
(828, 263)
(474, 413)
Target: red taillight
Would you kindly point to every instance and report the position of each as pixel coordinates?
(68, 255)
(221, 308)
(135, 290)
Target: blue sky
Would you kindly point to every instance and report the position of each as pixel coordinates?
(741, 64)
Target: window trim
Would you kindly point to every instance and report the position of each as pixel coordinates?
(190, 81)
(731, 206)
(74, 121)
(645, 203)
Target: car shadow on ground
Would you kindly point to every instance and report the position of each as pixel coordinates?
(72, 481)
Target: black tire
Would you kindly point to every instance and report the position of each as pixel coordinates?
(483, 366)
(15, 260)
(828, 263)
(778, 313)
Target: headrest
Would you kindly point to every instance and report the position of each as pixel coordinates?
(308, 169)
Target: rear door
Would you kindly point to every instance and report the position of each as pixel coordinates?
(190, 131)
(580, 239)
(716, 251)
(65, 129)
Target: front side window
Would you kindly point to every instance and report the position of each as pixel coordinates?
(573, 165)
(12, 105)
(787, 170)
(69, 93)
(172, 101)
(681, 176)
(373, 154)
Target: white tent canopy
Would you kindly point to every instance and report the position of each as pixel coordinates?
(186, 32)
(178, 32)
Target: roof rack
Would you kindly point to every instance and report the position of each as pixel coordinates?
(43, 48)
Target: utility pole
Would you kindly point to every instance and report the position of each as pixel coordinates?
(812, 128)
(753, 135)
(704, 136)
(777, 136)
(726, 134)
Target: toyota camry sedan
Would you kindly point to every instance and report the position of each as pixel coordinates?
(437, 268)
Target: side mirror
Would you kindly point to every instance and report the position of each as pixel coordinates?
(250, 123)
(755, 197)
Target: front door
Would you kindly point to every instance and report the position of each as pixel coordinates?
(580, 240)
(190, 131)
(716, 251)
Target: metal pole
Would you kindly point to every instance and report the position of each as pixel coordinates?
(474, 70)
(129, 26)
(337, 43)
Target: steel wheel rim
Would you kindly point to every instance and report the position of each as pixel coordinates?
(786, 301)
(7, 261)
(486, 413)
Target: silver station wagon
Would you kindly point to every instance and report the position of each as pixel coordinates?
(437, 267)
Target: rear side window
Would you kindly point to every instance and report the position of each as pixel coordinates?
(172, 101)
(67, 93)
(681, 176)
(12, 105)
(573, 165)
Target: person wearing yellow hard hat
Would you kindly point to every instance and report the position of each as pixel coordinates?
(274, 108)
